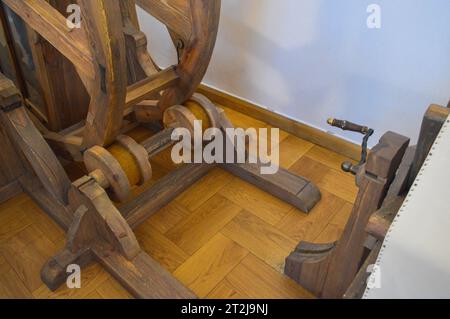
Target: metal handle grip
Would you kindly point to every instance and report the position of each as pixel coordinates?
(348, 126)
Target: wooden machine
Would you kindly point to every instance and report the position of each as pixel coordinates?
(78, 95)
(384, 177)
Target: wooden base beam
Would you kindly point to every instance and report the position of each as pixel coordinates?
(288, 187)
(142, 276)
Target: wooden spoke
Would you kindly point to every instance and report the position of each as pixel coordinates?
(175, 14)
(144, 89)
(52, 26)
(108, 92)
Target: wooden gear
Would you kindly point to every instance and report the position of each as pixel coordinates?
(122, 88)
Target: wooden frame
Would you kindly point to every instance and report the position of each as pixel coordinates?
(339, 270)
(125, 88)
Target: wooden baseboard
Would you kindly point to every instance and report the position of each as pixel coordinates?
(9, 191)
(293, 127)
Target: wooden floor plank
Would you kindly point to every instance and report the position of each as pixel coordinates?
(301, 227)
(258, 280)
(169, 255)
(310, 169)
(46, 225)
(292, 149)
(196, 230)
(333, 231)
(167, 217)
(225, 290)
(260, 238)
(340, 184)
(240, 120)
(327, 157)
(256, 201)
(13, 221)
(26, 253)
(11, 287)
(111, 289)
(95, 295)
(209, 266)
(204, 189)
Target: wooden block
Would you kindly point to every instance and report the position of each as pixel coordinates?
(340, 184)
(111, 289)
(225, 290)
(167, 217)
(256, 279)
(195, 231)
(288, 187)
(331, 159)
(27, 252)
(204, 189)
(301, 227)
(209, 265)
(256, 201)
(260, 238)
(169, 255)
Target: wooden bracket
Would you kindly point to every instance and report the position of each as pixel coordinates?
(327, 271)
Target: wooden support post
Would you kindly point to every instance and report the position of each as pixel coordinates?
(433, 121)
(328, 270)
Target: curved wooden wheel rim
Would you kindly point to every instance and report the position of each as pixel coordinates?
(209, 108)
(179, 116)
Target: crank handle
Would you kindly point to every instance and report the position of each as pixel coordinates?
(348, 126)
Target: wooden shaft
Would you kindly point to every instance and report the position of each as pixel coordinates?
(159, 142)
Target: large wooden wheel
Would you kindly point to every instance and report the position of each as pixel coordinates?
(112, 59)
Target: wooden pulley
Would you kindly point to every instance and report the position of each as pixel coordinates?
(107, 171)
(123, 165)
(197, 108)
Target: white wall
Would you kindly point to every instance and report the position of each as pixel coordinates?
(312, 59)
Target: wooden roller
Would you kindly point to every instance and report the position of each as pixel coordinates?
(120, 167)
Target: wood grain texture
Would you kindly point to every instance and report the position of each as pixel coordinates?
(209, 265)
(261, 239)
(196, 230)
(257, 280)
